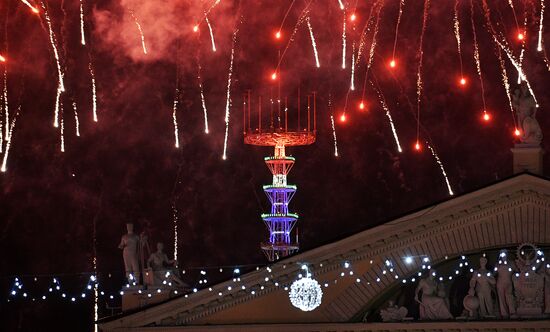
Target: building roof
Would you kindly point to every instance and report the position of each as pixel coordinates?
(506, 213)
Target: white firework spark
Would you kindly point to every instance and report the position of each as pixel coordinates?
(94, 98)
(53, 43)
(419, 72)
(386, 109)
(82, 35)
(175, 119)
(58, 106)
(175, 217)
(6, 106)
(140, 32)
(313, 44)
(352, 79)
(541, 19)
(228, 97)
(440, 164)
(62, 134)
(334, 136)
(8, 143)
(344, 42)
(341, 4)
(77, 122)
(203, 100)
(211, 34)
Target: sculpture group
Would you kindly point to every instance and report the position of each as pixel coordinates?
(157, 271)
(514, 289)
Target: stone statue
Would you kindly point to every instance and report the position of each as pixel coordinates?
(393, 313)
(481, 285)
(129, 243)
(525, 106)
(162, 268)
(507, 305)
(432, 304)
(528, 284)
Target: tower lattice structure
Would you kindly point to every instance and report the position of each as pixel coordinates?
(280, 221)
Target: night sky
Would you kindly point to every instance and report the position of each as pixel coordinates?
(125, 168)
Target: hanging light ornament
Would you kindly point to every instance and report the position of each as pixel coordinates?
(305, 294)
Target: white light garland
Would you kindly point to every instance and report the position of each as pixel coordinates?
(305, 294)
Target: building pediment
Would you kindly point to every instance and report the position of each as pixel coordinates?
(502, 215)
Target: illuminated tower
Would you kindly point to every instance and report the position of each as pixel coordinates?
(279, 221)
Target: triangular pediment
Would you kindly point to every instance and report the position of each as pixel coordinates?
(505, 214)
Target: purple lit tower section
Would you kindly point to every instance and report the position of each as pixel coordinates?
(279, 221)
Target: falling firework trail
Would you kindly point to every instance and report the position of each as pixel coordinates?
(286, 14)
(62, 134)
(344, 42)
(175, 119)
(476, 55)
(301, 19)
(366, 29)
(57, 108)
(313, 44)
(94, 98)
(401, 4)
(53, 43)
(82, 36)
(504, 46)
(203, 102)
(434, 154)
(386, 109)
(8, 143)
(457, 36)
(539, 44)
(353, 64)
(77, 123)
(504, 74)
(6, 106)
(419, 73)
(29, 5)
(140, 32)
(211, 7)
(521, 54)
(371, 51)
(175, 218)
(228, 97)
(341, 4)
(511, 3)
(334, 135)
(211, 34)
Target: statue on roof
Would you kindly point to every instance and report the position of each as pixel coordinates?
(164, 270)
(482, 285)
(525, 106)
(433, 304)
(130, 245)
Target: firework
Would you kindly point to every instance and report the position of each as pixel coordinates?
(476, 55)
(334, 135)
(175, 120)
(57, 108)
(541, 19)
(371, 51)
(62, 134)
(386, 109)
(8, 143)
(228, 96)
(456, 26)
(82, 36)
(2, 58)
(175, 219)
(419, 72)
(401, 5)
(440, 164)
(203, 102)
(211, 34)
(53, 43)
(341, 4)
(94, 98)
(6, 107)
(77, 123)
(344, 42)
(34, 9)
(313, 44)
(352, 80)
(140, 32)
(278, 34)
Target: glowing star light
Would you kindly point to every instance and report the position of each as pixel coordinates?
(521, 36)
(2, 58)
(278, 35)
(517, 132)
(361, 105)
(462, 81)
(486, 117)
(196, 28)
(274, 76)
(393, 63)
(306, 294)
(353, 17)
(417, 146)
(343, 117)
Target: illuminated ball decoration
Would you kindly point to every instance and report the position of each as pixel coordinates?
(305, 294)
